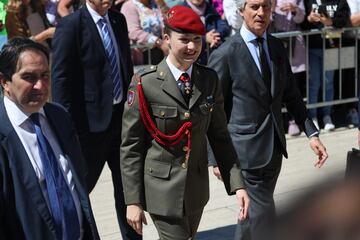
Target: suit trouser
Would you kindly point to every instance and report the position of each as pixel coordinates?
(102, 147)
(177, 228)
(260, 185)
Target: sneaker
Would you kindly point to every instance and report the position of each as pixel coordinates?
(293, 129)
(329, 126)
(352, 118)
(316, 123)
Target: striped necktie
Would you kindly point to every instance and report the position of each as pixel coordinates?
(111, 55)
(62, 205)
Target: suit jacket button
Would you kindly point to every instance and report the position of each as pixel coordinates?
(162, 113)
(150, 170)
(184, 165)
(187, 115)
(185, 148)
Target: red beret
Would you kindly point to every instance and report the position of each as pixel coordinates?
(184, 20)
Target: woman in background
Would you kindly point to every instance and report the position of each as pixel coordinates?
(145, 24)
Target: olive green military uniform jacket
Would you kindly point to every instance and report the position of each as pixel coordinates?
(155, 175)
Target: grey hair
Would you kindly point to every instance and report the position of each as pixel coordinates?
(240, 4)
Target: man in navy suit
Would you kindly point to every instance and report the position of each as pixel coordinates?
(33, 203)
(91, 72)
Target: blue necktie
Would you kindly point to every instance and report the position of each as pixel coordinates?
(111, 55)
(61, 202)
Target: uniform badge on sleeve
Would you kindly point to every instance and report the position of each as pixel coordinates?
(130, 97)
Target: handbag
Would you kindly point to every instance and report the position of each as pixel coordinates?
(353, 163)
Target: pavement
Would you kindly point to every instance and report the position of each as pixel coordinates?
(220, 215)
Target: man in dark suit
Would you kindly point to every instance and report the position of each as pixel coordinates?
(257, 80)
(42, 188)
(91, 72)
(168, 117)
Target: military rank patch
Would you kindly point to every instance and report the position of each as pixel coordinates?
(130, 97)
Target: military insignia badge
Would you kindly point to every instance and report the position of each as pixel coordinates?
(131, 97)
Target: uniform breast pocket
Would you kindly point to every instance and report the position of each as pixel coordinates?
(166, 118)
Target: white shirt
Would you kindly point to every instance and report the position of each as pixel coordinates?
(251, 43)
(97, 17)
(177, 72)
(26, 132)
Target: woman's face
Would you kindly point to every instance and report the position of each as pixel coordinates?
(197, 2)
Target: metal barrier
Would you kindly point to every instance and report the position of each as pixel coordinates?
(339, 58)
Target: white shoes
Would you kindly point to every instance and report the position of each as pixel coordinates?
(329, 127)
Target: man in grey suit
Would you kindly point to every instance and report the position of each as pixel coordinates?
(256, 81)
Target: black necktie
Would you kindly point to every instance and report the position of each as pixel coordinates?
(264, 64)
(185, 86)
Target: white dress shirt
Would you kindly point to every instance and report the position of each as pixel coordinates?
(25, 130)
(251, 43)
(97, 17)
(177, 72)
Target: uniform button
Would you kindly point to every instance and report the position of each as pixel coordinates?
(186, 132)
(162, 113)
(184, 165)
(185, 148)
(150, 170)
(187, 115)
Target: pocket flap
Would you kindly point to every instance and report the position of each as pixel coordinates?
(245, 128)
(157, 169)
(164, 111)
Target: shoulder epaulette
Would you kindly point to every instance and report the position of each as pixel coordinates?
(146, 70)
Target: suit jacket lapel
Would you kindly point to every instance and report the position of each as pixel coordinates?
(244, 53)
(23, 167)
(169, 83)
(90, 25)
(197, 85)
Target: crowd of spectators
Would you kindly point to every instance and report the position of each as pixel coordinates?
(37, 19)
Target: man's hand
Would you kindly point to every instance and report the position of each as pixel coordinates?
(319, 150)
(243, 200)
(135, 217)
(217, 173)
(213, 38)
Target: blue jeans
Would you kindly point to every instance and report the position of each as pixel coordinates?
(316, 59)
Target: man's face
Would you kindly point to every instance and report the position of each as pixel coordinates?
(185, 48)
(100, 6)
(29, 87)
(256, 14)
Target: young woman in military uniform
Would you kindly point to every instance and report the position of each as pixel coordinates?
(172, 108)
